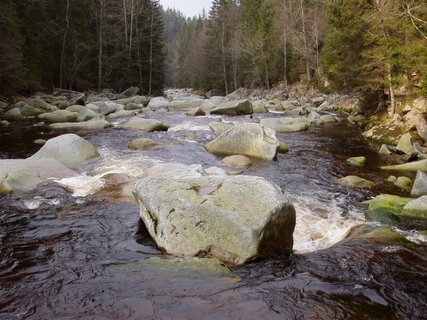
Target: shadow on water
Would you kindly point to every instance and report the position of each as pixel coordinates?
(80, 258)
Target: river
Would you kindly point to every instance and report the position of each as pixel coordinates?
(66, 256)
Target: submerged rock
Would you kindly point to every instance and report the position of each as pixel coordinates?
(285, 125)
(142, 144)
(375, 233)
(236, 219)
(69, 149)
(283, 148)
(248, 139)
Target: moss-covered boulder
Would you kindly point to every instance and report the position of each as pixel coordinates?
(356, 161)
(13, 114)
(233, 218)
(403, 183)
(416, 208)
(94, 124)
(248, 139)
(355, 182)
(59, 116)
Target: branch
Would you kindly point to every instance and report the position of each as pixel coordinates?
(412, 17)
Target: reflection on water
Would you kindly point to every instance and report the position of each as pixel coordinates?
(58, 251)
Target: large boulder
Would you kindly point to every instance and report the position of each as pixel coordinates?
(41, 104)
(248, 139)
(13, 114)
(148, 125)
(185, 105)
(233, 218)
(234, 108)
(158, 103)
(405, 143)
(238, 94)
(30, 111)
(217, 100)
(59, 116)
(107, 107)
(87, 114)
(69, 149)
(132, 91)
(285, 125)
(420, 185)
(416, 208)
(24, 175)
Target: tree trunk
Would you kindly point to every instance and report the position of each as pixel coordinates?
(304, 32)
(151, 49)
(100, 40)
(224, 66)
(125, 20)
(131, 29)
(64, 40)
(391, 90)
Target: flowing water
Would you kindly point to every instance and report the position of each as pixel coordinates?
(77, 255)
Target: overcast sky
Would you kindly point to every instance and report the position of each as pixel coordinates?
(188, 7)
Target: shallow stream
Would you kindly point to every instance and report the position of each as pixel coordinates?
(67, 256)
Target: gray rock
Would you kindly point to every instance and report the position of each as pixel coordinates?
(420, 165)
(248, 139)
(24, 175)
(405, 143)
(207, 105)
(259, 106)
(158, 103)
(384, 150)
(239, 94)
(185, 105)
(30, 111)
(107, 107)
(78, 99)
(133, 100)
(220, 127)
(236, 219)
(285, 125)
(147, 125)
(416, 208)
(234, 108)
(142, 144)
(237, 162)
(420, 185)
(217, 100)
(75, 108)
(418, 151)
(318, 101)
(69, 149)
(13, 114)
(133, 106)
(122, 113)
(196, 112)
(313, 116)
(4, 123)
(132, 91)
(421, 126)
(94, 124)
(41, 104)
(87, 114)
(58, 116)
(39, 141)
(327, 118)
(355, 182)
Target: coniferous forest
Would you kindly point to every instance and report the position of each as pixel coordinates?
(341, 45)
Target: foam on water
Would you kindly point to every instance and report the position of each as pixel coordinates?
(35, 203)
(190, 127)
(320, 225)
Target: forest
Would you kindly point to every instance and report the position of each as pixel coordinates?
(332, 45)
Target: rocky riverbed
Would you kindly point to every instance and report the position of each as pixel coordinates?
(128, 207)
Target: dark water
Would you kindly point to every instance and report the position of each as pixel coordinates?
(78, 258)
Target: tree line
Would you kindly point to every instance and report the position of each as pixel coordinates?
(81, 45)
(373, 46)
